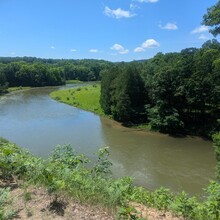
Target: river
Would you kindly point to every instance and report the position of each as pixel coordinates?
(33, 120)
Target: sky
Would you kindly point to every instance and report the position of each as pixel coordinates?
(114, 30)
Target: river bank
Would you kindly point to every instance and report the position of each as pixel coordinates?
(85, 97)
(34, 203)
(61, 186)
(151, 158)
(88, 98)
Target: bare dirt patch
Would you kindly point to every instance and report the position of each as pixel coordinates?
(152, 213)
(34, 203)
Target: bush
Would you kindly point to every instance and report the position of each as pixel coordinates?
(212, 204)
(216, 144)
(65, 172)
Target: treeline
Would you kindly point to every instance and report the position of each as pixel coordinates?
(173, 92)
(30, 71)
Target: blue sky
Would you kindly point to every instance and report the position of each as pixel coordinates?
(101, 29)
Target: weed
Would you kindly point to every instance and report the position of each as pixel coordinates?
(8, 213)
(66, 172)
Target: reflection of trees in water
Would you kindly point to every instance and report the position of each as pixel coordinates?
(159, 160)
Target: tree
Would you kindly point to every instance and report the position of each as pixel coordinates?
(212, 18)
(3, 82)
(123, 92)
(164, 115)
(107, 87)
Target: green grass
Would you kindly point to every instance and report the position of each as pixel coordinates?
(73, 81)
(17, 88)
(144, 127)
(86, 98)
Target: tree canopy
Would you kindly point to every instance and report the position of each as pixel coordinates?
(30, 71)
(212, 19)
(173, 92)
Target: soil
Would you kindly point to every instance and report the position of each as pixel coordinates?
(34, 203)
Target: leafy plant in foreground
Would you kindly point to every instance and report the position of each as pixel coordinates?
(162, 198)
(216, 144)
(212, 204)
(103, 165)
(184, 206)
(67, 156)
(4, 202)
(65, 173)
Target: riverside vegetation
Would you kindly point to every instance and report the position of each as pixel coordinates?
(171, 93)
(67, 173)
(84, 97)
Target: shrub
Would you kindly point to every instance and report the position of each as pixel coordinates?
(216, 144)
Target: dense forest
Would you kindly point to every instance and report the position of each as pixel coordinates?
(173, 92)
(30, 71)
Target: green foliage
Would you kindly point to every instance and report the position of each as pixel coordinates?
(65, 172)
(173, 92)
(212, 204)
(107, 88)
(127, 212)
(103, 165)
(162, 198)
(216, 144)
(7, 164)
(5, 212)
(43, 72)
(3, 82)
(164, 119)
(141, 195)
(67, 156)
(185, 206)
(122, 93)
(212, 18)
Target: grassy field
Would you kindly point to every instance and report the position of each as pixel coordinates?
(13, 89)
(73, 81)
(86, 98)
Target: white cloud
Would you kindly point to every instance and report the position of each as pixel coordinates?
(93, 51)
(119, 48)
(150, 1)
(200, 29)
(150, 43)
(117, 13)
(169, 26)
(203, 37)
(72, 50)
(133, 6)
(139, 49)
(52, 47)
